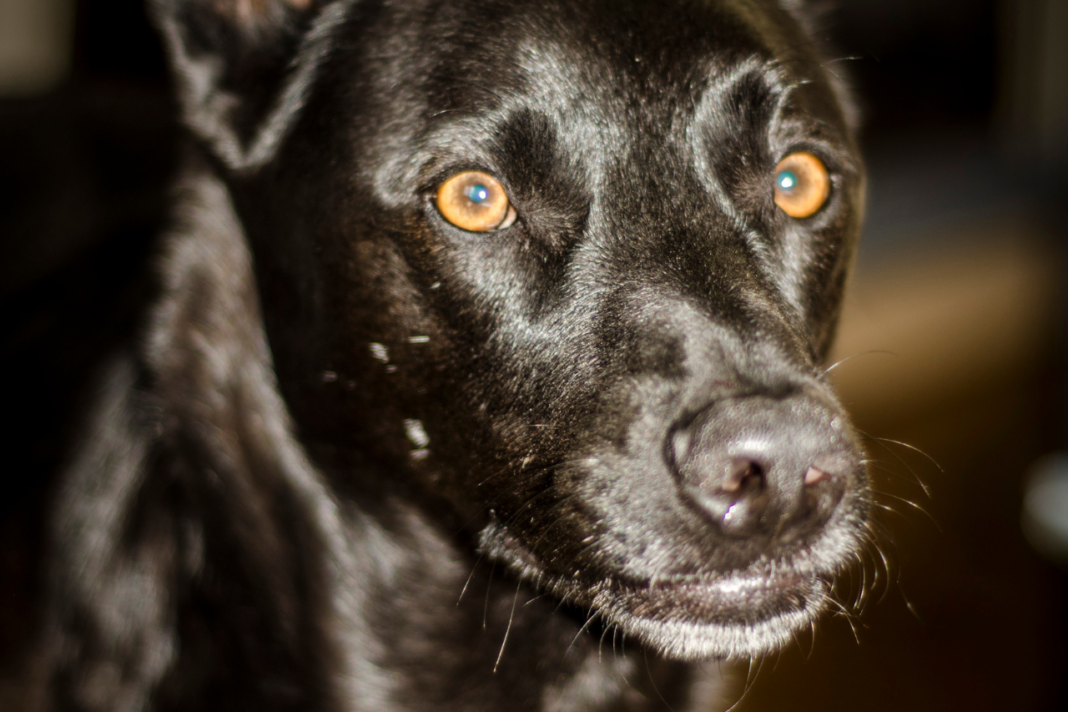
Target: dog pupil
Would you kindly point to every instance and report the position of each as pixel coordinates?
(787, 180)
(477, 193)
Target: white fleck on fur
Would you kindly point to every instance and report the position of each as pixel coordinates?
(416, 433)
(379, 352)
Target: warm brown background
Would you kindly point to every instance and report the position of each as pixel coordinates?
(956, 325)
(961, 295)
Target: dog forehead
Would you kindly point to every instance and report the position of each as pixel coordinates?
(633, 50)
(609, 75)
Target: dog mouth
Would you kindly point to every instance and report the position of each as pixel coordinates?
(729, 616)
(728, 600)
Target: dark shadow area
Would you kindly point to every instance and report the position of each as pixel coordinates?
(84, 182)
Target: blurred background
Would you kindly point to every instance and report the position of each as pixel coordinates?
(952, 348)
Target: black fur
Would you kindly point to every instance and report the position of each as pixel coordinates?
(364, 460)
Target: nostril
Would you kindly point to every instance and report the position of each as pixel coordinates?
(814, 476)
(681, 442)
(740, 470)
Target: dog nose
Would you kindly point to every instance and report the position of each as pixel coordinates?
(759, 466)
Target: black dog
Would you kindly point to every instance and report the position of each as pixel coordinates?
(486, 373)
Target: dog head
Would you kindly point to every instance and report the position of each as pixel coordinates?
(571, 268)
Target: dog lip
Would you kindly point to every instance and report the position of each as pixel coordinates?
(730, 599)
(732, 583)
(731, 616)
(719, 597)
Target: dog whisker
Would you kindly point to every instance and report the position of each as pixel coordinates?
(849, 617)
(468, 581)
(908, 604)
(750, 680)
(508, 628)
(908, 502)
(842, 59)
(886, 442)
(581, 630)
(489, 589)
(886, 567)
(890, 470)
(652, 681)
(872, 352)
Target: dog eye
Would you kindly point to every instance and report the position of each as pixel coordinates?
(801, 185)
(474, 201)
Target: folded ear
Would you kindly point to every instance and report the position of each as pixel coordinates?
(244, 67)
(814, 16)
(810, 13)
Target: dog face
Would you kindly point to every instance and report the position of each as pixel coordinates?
(538, 263)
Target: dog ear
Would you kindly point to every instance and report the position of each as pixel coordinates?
(815, 16)
(244, 67)
(810, 13)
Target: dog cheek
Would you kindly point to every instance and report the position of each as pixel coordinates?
(824, 282)
(385, 350)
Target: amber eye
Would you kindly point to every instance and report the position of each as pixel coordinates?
(801, 185)
(474, 201)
